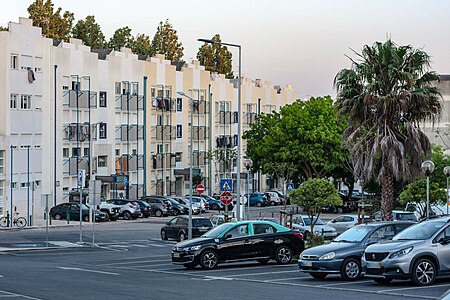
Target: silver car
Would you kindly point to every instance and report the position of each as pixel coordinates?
(420, 253)
(303, 224)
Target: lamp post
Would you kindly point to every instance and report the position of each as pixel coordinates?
(191, 163)
(248, 163)
(447, 174)
(428, 168)
(238, 161)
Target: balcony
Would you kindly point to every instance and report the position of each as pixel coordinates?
(79, 98)
(131, 133)
(132, 103)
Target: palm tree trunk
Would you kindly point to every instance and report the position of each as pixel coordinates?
(387, 196)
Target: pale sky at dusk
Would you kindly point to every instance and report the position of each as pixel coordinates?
(285, 41)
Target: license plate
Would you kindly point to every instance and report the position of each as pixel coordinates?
(373, 265)
(308, 263)
(176, 255)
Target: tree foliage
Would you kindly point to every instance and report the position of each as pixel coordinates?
(313, 195)
(3, 28)
(90, 33)
(305, 135)
(166, 42)
(440, 160)
(52, 23)
(121, 38)
(216, 58)
(387, 92)
(142, 45)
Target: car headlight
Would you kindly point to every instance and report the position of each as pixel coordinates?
(193, 248)
(328, 256)
(300, 257)
(401, 252)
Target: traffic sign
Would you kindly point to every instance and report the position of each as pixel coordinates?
(226, 198)
(226, 184)
(81, 178)
(200, 188)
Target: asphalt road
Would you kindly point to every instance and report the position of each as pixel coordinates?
(130, 261)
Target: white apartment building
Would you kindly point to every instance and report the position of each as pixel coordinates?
(122, 118)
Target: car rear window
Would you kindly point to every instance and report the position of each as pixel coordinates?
(201, 223)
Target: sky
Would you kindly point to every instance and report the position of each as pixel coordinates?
(301, 42)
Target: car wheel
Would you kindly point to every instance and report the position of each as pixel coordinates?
(181, 236)
(382, 280)
(423, 272)
(126, 215)
(215, 206)
(57, 217)
(258, 204)
(283, 255)
(209, 259)
(190, 266)
(263, 261)
(107, 217)
(351, 269)
(318, 275)
(113, 218)
(163, 235)
(158, 213)
(272, 203)
(176, 212)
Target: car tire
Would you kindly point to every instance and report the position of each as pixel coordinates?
(163, 235)
(258, 204)
(190, 266)
(382, 280)
(263, 261)
(423, 272)
(86, 218)
(113, 218)
(209, 260)
(272, 203)
(215, 206)
(306, 235)
(107, 217)
(182, 236)
(126, 215)
(351, 269)
(176, 212)
(283, 255)
(57, 217)
(318, 276)
(158, 213)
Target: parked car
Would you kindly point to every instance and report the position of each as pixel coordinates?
(128, 209)
(159, 206)
(72, 211)
(195, 206)
(198, 201)
(217, 220)
(215, 204)
(177, 228)
(419, 253)
(248, 240)
(302, 224)
(398, 215)
(146, 209)
(273, 198)
(177, 208)
(344, 222)
(343, 255)
(257, 199)
(285, 199)
(274, 220)
(112, 211)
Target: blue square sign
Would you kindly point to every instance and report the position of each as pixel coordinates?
(226, 184)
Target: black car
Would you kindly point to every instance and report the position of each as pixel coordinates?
(178, 227)
(247, 240)
(146, 209)
(71, 211)
(343, 255)
(177, 208)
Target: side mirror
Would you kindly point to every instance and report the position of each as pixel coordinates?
(444, 240)
(167, 223)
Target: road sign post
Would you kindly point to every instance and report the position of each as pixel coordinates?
(200, 188)
(226, 198)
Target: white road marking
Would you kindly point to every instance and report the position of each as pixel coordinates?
(413, 288)
(139, 246)
(343, 283)
(9, 294)
(90, 271)
(138, 261)
(158, 245)
(286, 279)
(262, 273)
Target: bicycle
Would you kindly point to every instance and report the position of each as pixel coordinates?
(20, 222)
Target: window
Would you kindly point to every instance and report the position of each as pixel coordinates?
(125, 88)
(14, 185)
(117, 152)
(75, 85)
(102, 161)
(235, 140)
(24, 185)
(76, 152)
(37, 102)
(102, 99)
(13, 101)
(102, 130)
(134, 88)
(178, 156)
(263, 229)
(117, 87)
(2, 162)
(179, 131)
(14, 61)
(153, 92)
(235, 117)
(86, 152)
(65, 152)
(2, 187)
(159, 148)
(37, 183)
(25, 101)
(179, 104)
(238, 231)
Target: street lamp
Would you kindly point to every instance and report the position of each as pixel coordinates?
(248, 163)
(191, 163)
(238, 161)
(427, 169)
(447, 174)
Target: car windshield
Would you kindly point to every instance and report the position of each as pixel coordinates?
(84, 207)
(216, 231)
(406, 217)
(354, 235)
(308, 222)
(421, 231)
(201, 223)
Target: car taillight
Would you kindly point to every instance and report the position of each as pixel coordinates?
(298, 235)
(132, 206)
(164, 206)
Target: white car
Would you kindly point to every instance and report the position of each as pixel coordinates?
(302, 224)
(273, 198)
(342, 223)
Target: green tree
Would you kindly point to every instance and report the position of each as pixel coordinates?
(305, 134)
(166, 42)
(416, 193)
(216, 58)
(121, 38)
(90, 33)
(142, 45)
(387, 92)
(313, 196)
(3, 28)
(53, 25)
(440, 160)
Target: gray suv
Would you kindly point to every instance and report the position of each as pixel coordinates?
(420, 253)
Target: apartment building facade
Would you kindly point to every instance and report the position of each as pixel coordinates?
(122, 118)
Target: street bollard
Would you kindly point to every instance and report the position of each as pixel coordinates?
(67, 217)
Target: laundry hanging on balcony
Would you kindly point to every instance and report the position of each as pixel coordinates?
(31, 77)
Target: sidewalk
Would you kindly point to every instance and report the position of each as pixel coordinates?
(10, 247)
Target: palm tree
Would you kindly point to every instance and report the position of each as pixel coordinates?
(386, 94)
